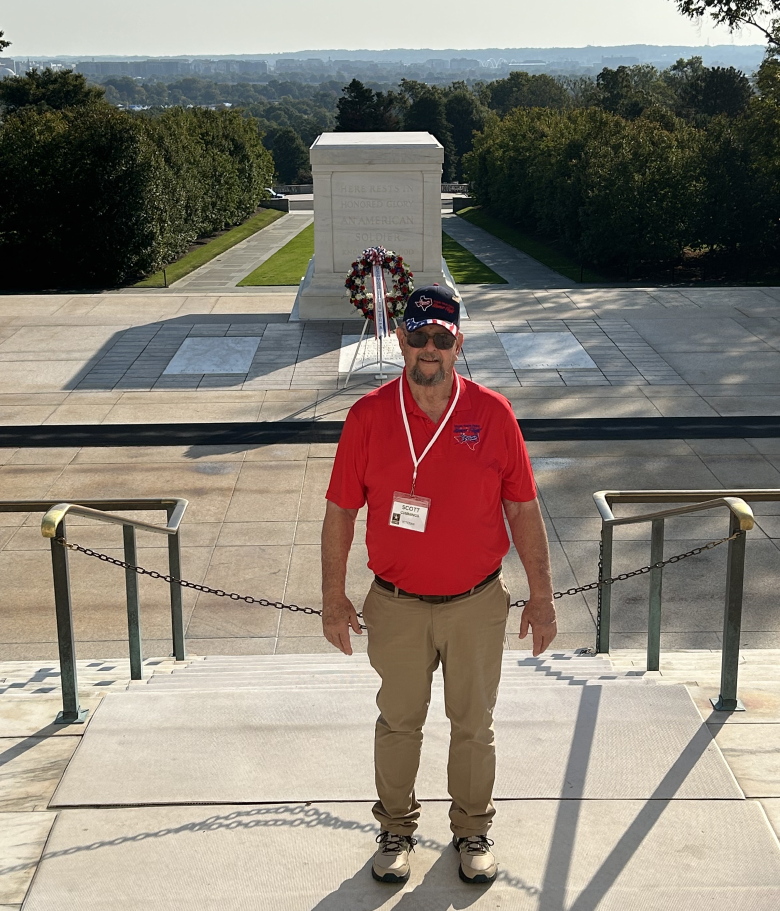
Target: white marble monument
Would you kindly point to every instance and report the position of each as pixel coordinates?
(369, 189)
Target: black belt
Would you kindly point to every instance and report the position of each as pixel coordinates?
(437, 599)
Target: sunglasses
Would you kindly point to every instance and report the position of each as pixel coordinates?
(419, 339)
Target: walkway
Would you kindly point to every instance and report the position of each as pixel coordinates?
(223, 273)
(519, 269)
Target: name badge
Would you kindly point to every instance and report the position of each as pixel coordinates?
(409, 511)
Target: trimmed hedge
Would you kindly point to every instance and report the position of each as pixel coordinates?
(94, 196)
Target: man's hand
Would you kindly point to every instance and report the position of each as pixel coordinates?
(539, 614)
(338, 615)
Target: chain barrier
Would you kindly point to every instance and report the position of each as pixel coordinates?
(280, 605)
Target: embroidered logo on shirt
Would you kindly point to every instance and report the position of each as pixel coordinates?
(468, 434)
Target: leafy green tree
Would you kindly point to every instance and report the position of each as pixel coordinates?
(768, 80)
(129, 90)
(522, 90)
(763, 15)
(47, 90)
(702, 92)
(291, 157)
(580, 89)
(93, 196)
(724, 90)
(3, 44)
(629, 91)
(727, 208)
(427, 113)
(465, 116)
(617, 192)
(356, 109)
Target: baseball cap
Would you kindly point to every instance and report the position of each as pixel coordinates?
(433, 304)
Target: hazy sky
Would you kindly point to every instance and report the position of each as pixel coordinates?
(160, 27)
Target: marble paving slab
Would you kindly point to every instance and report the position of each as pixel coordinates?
(231, 354)
(616, 741)
(368, 354)
(545, 351)
(605, 855)
(22, 838)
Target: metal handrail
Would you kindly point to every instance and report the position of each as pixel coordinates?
(58, 512)
(740, 520)
(53, 527)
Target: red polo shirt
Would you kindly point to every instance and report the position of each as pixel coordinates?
(478, 460)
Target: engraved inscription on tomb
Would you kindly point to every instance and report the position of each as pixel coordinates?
(369, 209)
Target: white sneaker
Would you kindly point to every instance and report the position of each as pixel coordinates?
(477, 864)
(391, 861)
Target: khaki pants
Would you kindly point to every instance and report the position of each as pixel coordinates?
(407, 640)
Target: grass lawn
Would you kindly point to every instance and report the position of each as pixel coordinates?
(466, 269)
(538, 249)
(288, 265)
(209, 250)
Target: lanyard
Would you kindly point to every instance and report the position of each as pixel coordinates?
(439, 429)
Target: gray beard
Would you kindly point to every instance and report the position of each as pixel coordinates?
(421, 379)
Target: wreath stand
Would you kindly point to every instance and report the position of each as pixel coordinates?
(380, 306)
(379, 362)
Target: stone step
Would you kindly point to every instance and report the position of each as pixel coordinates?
(335, 657)
(769, 670)
(354, 666)
(370, 673)
(215, 686)
(289, 673)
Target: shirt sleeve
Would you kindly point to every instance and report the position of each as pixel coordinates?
(347, 480)
(518, 483)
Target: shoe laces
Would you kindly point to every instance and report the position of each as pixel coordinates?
(476, 844)
(395, 844)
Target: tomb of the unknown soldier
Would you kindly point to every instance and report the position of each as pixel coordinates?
(204, 745)
(371, 189)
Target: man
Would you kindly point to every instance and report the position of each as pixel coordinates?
(440, 461)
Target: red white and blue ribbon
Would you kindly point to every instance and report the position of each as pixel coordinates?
(376, 256)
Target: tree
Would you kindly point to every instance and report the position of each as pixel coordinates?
(768, 80)
(427, 114)
(724, 90)
(290, 155)
(94, 196)
(630, 90)
(465, 116)
(522, 90)
(763, 15)
(47, 90)
(3, 44)
(356, 109)
(702, 92)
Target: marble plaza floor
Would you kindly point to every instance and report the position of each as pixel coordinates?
(106, 357)
(253, 526)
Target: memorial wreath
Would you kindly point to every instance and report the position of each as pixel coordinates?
(401, 285)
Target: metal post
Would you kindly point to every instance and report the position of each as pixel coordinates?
(656, 582)
(605, 606)
(133, 604)
(174, 569)
(357, 350)
(71, 713)
(732, 624)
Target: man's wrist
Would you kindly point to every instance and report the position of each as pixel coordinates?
(544, 595)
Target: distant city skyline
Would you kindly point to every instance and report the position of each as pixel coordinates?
(165, 27)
